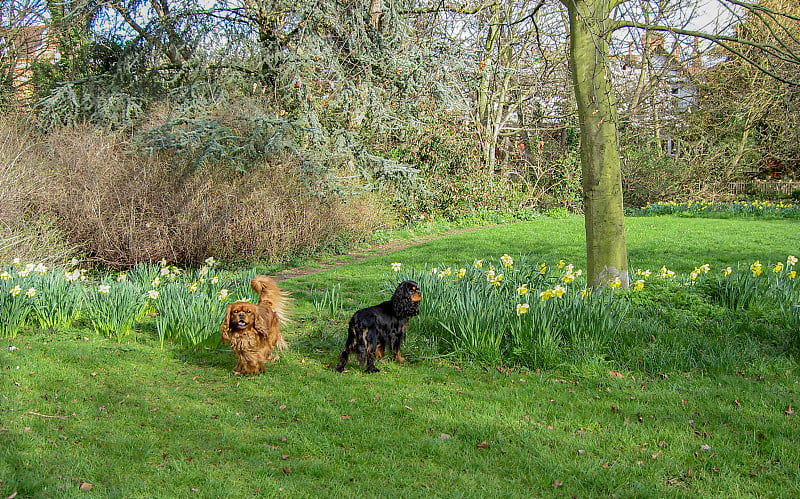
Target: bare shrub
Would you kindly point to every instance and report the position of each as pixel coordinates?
(267, 213)
(25, 232)
(123, 208)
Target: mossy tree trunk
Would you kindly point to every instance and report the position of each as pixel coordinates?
(606, 251)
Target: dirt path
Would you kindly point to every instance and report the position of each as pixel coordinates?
(358, 255)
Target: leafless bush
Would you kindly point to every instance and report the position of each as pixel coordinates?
(25, 232)
(127, 208)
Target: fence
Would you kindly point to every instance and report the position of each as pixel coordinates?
(778, 188)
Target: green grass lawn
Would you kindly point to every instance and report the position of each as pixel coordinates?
(80, 411)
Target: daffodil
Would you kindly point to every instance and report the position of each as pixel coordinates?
(210, 261)
(122, 276)
(756, 268)
(638, 285)
(792, 274)
(585, 292)
(778, 267)
(546, 294)
(643, 273)
(522, 289)
(615, 283)
(727, 271)
(104, 289)
(155, 282)
(460, 273)
(561, 264)
(163, 262)
(30, 293)
(559, 290)
(478, 264)
(522, 308)
(664, 273)
(542, 268)
(396, 266)
(791, 260)
(164, 271)
(507, 261)
(203, 270)
(152, 294)
(5, 276)
(15, 290)
(222, 294)
(214, 280)
(193, 287)
(40, 269)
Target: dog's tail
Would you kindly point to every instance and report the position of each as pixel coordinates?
(269, 294)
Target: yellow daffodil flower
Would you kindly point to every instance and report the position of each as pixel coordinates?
(396, 266)
(522, 308)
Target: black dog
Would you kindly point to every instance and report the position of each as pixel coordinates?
(383, 326)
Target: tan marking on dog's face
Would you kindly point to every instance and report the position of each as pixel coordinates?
(416, 294)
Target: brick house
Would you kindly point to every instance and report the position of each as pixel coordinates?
(20, 47)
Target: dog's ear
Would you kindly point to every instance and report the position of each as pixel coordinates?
(403, 299)
(225, 327)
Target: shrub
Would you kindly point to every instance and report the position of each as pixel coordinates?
(125, 208)
(25, 231)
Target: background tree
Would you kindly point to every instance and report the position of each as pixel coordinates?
(592, 25)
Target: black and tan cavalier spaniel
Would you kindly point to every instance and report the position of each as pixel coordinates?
(380, 327)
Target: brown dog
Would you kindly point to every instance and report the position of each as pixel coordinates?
(253, 331)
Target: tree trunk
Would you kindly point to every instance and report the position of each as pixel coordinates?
(606, 252)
